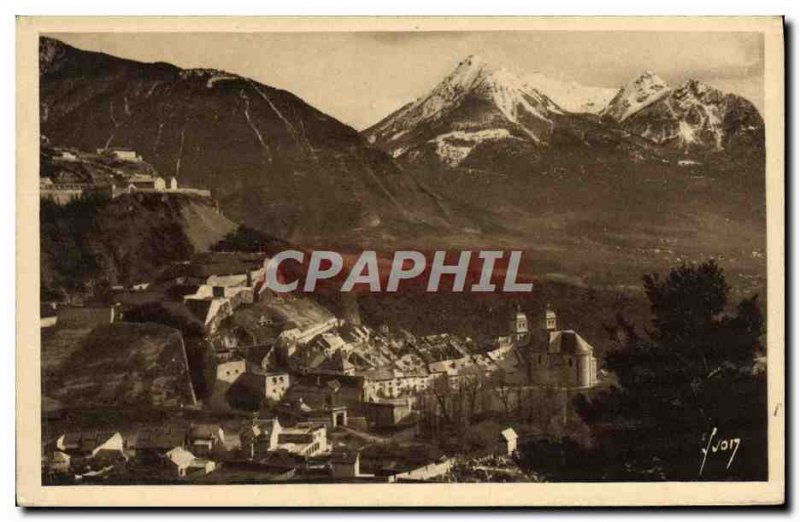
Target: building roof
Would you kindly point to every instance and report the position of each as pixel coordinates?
(86, 441)
(181, 457)
(337, 363)
(570, 343)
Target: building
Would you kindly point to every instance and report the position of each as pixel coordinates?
(56, 462)
(259, 437)
(345, 465)
(519, 326)
(391, 383)
(238, 295)
(146, 182)
(185, 463)
(121, 153)
(90, 444)
(231, 370)
(561, 358)
(301, 336)
(210, 311)
(152, 444)
(337, 364)
(387, 414)
(275, 385)
(507, 442)
(63, 193)
(305, 439)
(330, 343)
(203, 439)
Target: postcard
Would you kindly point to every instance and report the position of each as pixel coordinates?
(400, 262)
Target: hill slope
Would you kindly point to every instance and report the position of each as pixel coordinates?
(123, 364)
(96, 242)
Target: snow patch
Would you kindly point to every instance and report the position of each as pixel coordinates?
(454, 146)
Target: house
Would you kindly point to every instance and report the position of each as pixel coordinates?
(185, 463)
(231, 370)
(238, 295)
(251, 388)
(203, 439)
(392, 382)
(338, 364)
(387, 413)
(259, 437)
(304, 335)
(329, 342)
(88, 450)
(89, 444)
(345, 465)
(211, 311)
(275, 385)
(305, 439)
(121, 153)
(145, 182)
(507, 442)
(56, 462)
(152, 444)
(561, 358)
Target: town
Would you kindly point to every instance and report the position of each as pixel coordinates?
(205, 374)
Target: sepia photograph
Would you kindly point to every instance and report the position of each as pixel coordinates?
(417, 254)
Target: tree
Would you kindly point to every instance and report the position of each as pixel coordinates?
(682, 379)
(502, 389)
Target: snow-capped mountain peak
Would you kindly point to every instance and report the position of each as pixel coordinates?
(571, 95)
(472, 78)
(475, 103)
(698, 116)
(637, 94)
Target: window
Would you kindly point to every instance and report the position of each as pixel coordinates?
(569, 361)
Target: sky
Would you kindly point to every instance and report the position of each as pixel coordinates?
(360, 77)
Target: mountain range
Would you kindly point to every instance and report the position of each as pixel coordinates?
(479, 106)
(591, 181)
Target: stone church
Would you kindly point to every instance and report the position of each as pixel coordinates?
(560, 358)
